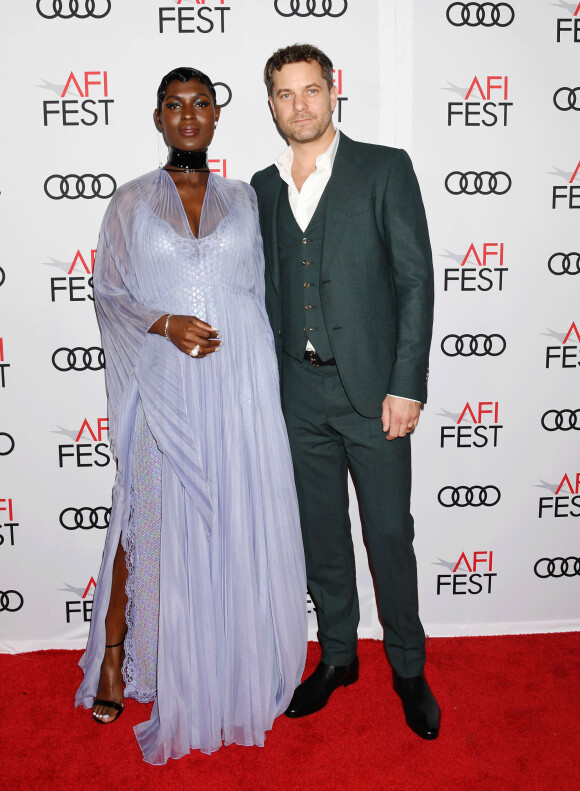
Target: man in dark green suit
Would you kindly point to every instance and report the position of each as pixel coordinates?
(349, 292)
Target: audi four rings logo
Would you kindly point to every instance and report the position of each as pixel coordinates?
(228, 90)
(562, 420)
(10, 601)
(485, 14)
(50, 9)
(564, 264)
(85, 518)
(473, 345)
(567, 99)
(462, 496)
(332, 8)
(79, 359)
(472, 183)
(6, 444)
(557, 567)
(85, 186)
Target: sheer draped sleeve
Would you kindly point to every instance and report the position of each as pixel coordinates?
(123, 321)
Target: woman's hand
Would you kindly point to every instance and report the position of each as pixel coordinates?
(191, 335)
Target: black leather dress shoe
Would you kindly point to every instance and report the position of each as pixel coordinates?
(422, 711)
(313, 694)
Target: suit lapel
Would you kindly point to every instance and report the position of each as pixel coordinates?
(347, 173)
(341, 192)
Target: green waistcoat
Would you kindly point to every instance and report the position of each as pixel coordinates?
(299, 254)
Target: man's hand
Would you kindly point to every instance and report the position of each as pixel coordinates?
(400, 416)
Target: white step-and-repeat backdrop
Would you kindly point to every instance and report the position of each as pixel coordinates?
(486, 98)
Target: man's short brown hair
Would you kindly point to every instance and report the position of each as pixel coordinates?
(297, 53)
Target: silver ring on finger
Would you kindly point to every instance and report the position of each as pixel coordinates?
(195, 351)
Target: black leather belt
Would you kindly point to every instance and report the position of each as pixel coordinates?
(315, 359)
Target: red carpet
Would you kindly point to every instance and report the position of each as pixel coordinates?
(510, 720)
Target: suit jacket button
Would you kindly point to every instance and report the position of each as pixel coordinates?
(307, 307)
(305, 263)
(280, 332)
(304, 240)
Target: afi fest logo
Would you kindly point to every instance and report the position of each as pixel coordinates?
(564, 499)
(479, 106)
(87, 100)
(568, 29)
(339, 89)
(567, 353)
(82, 606)
(470, 575)
(481, 268)
(194, 16)
(3, 365)
(569, 193)
(77, 284)
(7, 523)
(88, 448)
(476, 427)
(69, 9)
(218, 166)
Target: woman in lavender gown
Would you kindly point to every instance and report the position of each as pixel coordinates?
(200, 601)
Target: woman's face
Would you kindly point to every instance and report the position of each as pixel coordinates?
(188, 117)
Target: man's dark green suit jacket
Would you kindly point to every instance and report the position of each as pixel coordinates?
(376, 272)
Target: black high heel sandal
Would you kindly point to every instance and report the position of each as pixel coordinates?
(110, 704)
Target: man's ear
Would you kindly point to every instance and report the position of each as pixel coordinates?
(333, 97)
(272, 110)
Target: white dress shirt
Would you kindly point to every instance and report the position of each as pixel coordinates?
(304, 202)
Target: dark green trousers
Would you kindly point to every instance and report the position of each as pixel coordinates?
(327, 436)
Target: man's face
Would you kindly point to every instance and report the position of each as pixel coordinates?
(301, 101)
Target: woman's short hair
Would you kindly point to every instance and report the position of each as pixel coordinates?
(183, 74)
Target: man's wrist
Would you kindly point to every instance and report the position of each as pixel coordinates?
(414, 400)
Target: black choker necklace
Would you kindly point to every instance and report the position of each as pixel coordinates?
(187, 161)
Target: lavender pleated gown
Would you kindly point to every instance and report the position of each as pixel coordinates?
(204, 500)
